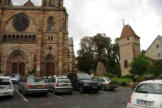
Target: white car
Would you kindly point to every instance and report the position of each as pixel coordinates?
(60, 84)
(148, 94)
(6, 87)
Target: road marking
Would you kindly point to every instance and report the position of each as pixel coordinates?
(58, 96)
(21, 96)
(55, 95)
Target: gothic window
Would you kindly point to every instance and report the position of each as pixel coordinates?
(126, 64)
(50, 23)
(158, 55)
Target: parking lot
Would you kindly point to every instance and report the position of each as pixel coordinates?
(104, 99)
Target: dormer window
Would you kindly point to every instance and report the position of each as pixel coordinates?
(50, 23)
(157, 46)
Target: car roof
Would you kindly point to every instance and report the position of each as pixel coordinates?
(151, 81)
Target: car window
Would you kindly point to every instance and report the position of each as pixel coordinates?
(151, 88)
(101, 80)
(36, 80)
(63, 80)
(4, 82)
(84, 76)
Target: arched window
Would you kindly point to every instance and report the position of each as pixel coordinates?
(126, 64)
(50, 23)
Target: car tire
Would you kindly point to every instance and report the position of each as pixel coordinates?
(70, 93)
(96, 91)
(45, 94)
(81, 89)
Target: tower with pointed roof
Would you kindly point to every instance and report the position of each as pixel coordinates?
(129, 45)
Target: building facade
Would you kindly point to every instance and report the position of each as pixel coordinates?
(129, 46)
(34, 38)
(71, 56)
(154, 51)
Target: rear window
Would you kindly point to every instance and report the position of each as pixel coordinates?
(4, 82)
(151, 88)
(63, 81)
(36, 80)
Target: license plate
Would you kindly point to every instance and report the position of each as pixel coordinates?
(65, 85)
(144, 102)
(39, 86)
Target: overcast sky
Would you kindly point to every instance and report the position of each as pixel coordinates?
(89, 17)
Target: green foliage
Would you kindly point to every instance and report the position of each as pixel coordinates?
(99, 49)
(120, 80)
(139, 66)
(155, 69)
(31, 72)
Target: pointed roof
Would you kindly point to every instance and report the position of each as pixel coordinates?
(127, 32)
(29, 4)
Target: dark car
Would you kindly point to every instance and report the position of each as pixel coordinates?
(83, 82)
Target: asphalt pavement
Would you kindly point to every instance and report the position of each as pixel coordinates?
(104, 99)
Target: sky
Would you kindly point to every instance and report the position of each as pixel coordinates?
(89, 17)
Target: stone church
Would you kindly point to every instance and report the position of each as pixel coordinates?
(34, 38)
(129, 45)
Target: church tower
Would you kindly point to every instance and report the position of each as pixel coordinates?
(52, 3)
(129, 45)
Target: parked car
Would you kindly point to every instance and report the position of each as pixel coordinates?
(32, 85)
(106, 83)
(6, 86)
(83, 82)
(60, 84)
(148, 94)
(15, 78)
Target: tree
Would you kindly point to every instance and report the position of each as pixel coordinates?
(139, 66)
(99, 49)
(155, 68)
(85, 55)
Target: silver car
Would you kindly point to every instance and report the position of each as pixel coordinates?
(106, 83)
(60, 84)
(6, 87)
(32, 85)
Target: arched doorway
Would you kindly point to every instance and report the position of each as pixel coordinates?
(48, 66)
(18, 68)
(49, 69)
(16, 62)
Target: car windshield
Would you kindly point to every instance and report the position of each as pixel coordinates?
(84, 76)
(149, 88)
(63, 80)
(4, 82)
(36, 80)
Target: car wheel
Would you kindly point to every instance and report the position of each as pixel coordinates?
(45, 94)
(96, 91)
(70, 93)
(81, 89)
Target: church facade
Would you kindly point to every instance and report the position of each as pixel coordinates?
(34, 38)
